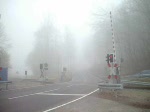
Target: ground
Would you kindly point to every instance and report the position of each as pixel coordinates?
(133, 97)
(127, 100)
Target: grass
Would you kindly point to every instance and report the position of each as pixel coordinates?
(133, 97)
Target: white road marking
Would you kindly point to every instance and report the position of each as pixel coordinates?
(70, 101)
(22, 96)
(35, 93)
(32, 86)
(24, 87)
(53, 94)
(69, 85)
(32, 94)
(84, 85)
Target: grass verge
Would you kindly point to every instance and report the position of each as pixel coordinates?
(132, 97)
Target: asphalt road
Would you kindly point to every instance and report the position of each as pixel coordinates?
(43, 98)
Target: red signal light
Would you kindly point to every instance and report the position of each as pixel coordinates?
(1, 68)
(111, 57)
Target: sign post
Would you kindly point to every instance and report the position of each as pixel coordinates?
(26, 73)
(63, 73)
(42, 68)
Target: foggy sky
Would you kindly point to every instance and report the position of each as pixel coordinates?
(22, 18)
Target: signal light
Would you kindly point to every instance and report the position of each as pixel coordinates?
(111, 58)
(107, 58)
(1, 68)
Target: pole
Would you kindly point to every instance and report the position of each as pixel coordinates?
(113, 40)
(115, 75)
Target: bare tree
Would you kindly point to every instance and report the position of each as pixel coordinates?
(4, 46)
(131, 27)
(45, 50)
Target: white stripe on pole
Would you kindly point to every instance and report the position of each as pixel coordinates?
(113, 40)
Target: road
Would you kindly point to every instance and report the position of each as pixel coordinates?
(43, 98)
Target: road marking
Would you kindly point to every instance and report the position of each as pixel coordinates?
(53, 94)
(84, 85)
(35, 93)
(32, 94)
(69, 85)
(34, 86)
(25, 87)
(70, 101)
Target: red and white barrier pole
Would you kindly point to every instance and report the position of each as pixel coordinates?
(114, 66)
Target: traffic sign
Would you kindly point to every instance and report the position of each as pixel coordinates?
(46, 65)
(41, 66)
(46, 68)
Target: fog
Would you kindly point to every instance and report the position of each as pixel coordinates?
(21, 19)
(76, 34)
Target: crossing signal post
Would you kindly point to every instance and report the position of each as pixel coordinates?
(113, 66)
(113, 77)
(110, 58)
(41, 68)
(26, 73)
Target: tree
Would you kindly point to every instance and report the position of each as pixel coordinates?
(45, 49)
(4, 45)
(131, 24)
(68, 49)
(53, 47)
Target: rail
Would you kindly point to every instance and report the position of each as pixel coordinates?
(110, 86)
(6, 83)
